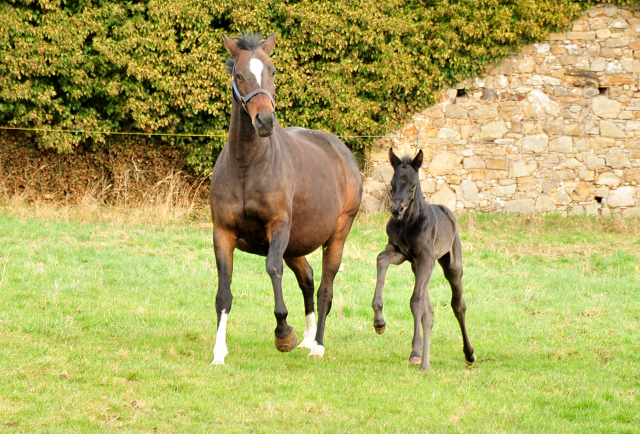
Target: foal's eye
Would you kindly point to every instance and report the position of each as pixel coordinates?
(273, 72)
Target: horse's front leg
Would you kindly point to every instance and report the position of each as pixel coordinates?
(389, 256)
(224, 243)
(278, 233)
(422, 311)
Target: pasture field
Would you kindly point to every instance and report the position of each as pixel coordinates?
(108, 327)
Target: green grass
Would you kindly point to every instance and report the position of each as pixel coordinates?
(110, 328)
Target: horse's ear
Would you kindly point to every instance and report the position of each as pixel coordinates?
(417, 161)
(269, 43)
(393, 159)
(231, 45)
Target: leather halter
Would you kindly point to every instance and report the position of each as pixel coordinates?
(245, 99)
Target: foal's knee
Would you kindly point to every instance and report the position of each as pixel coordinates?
(458, 305)
(383, 259)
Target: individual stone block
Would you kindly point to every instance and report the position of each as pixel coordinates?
(616, 159)
(539, 104)
(561, 144)
(544, 204)
(610, 129)
(560, 198)
(593, 162)
(522, 169)
(537, 143)
(608, 179)
(445, 197)
(485, 113)
(493, 130)
(382, 173)
(606, 108)
(581, 192)
(456, 111)
(623, 196)
(444, 163)
(473, 163)
(497, 164)
(521, 206)
(467, 193)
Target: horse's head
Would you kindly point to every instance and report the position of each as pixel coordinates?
(404, 183)
(252, 75)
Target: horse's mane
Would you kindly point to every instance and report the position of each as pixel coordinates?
(248, 41)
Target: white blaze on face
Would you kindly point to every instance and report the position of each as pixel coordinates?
(256, 68)
(220, 349)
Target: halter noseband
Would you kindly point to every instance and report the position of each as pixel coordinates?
(245, 99)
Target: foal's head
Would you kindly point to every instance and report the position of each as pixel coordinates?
(251, 70)
(405, 182)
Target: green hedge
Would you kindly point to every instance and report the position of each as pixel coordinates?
(350, 67)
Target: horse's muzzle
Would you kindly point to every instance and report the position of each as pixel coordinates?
(397, 211)
(264, 123)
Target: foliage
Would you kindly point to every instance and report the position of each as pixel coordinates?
(157, 66)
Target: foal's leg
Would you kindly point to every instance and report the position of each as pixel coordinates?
(331, 258)
(452, 266)
(422, 311)
(223, 245)
(389, 256)
(304, 275)
(278, 234)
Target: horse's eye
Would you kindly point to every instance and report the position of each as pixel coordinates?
(273, 72)
(239, 77)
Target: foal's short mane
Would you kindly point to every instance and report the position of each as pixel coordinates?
(406, 159)
(247, 41)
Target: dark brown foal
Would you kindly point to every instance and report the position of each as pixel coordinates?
(279, 193)
(421, 234)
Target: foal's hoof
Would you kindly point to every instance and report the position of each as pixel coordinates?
(415, 360)
(380, 329)
(287, 343)
(470, 359)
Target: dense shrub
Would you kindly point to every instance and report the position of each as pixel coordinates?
(353, 68)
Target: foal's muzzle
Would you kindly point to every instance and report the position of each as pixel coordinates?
(397, 211)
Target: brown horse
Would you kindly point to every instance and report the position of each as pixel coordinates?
(280, 193)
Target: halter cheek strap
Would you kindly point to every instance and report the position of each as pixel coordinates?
(245, 99)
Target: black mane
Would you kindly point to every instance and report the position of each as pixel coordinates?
(247, 41)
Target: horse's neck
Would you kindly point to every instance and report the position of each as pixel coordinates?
(244, 143)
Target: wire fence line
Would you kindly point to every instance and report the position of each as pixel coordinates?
(137, 133)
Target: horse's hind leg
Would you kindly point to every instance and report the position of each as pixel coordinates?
(452, 266)
(389, 256)
(331, 258)
(223, 244)
(304, 274)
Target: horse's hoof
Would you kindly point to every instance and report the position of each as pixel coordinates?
(415, 360)
(287, 343)
(470, 359)
(425, 367)
(380, 329)
(317, 351)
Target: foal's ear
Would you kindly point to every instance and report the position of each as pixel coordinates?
(269, 43)
(231, 45)
(417, 161)
(393, 159)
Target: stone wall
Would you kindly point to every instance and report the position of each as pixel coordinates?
(553, 129)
